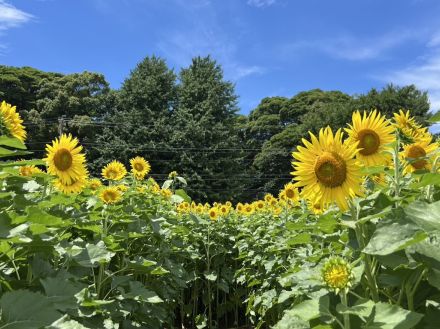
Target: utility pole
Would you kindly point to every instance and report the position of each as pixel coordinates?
(61, 122)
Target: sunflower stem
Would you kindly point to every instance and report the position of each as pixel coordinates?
(396, 163)
(344, 302)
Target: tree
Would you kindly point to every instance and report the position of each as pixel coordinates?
(393, 98)
(71, 103)
(141, 124)
(278, 124)
(205, 132)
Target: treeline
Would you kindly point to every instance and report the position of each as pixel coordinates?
(187, 121)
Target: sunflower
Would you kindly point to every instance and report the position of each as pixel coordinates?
(110, 194)
(114, 171)
(94, 184)
(173, 175)
(65, 160)
(337, 274)
(326, 169)
(248, 209)
(291, 192)
(10, 122)
(417, 156)
(213, 213)
(239, 207)
(315, 206)
(409, 127)
(259, 205)
(139, 167)
(75, 186)
(373, 132)
(29, 171)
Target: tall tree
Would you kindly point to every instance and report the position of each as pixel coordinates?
(141, 123)
(205, 133)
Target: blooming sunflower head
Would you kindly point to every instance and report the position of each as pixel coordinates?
(73, 187)
(418, 155)
(11, 122)
(326, 169)
(213, 213)
(29, 171)
(239, 207)
(139, 167)
(291, 192)
(337, 274)
(65, 160)
(373, 133)
(94, 184)
(110, 195)
(115, 170)
(315, 206)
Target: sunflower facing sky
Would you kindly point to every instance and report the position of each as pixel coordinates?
(11, 122)
(139, 167)
(65, 160)
(373, 132)
(327, 170)
(115, 170)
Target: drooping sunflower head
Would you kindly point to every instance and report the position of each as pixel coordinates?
(418, 155)
(337, 274)
(11, 123)
(139, 167)
(73, 187)
(409, 127)
(372, 132)
(327, 170)
(65, 160)
(173, 175)
(110, 195)
(115, 170)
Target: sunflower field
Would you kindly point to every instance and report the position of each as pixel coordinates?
(352, 242)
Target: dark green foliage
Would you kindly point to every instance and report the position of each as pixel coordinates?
(205, 131)
(188, 122)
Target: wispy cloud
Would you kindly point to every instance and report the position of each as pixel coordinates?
(203, 35)
(424, 72)
(425, 75)
(261, 3)
(352, 48)
(11, 16)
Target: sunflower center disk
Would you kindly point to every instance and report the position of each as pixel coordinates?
(369, 141)
(138, 167)
(63, 159)
(415, 152)
(290, 193)
(331, 169)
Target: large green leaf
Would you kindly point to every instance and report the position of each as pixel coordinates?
(61, 291)
(25, 309)
(93, 254)
(387, 316)
(392, 235)
(12, 142)
(425, 215)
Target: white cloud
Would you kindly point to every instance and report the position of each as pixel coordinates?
(203, 35)
(260, 3)
(353, 48)
(425, 75)
(10, 16)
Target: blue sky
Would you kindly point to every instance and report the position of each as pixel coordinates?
(266, 47)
